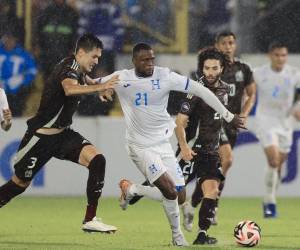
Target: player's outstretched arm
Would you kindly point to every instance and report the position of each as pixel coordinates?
(6, 123)
(186, 152)
(209, 97)
(71, 86)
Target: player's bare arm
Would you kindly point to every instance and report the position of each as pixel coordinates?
(186, 152)
(6, 124)
(71, 86)
(250, 92)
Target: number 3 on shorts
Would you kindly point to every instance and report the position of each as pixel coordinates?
(33, 162)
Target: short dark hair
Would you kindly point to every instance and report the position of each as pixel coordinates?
(224, 34)
(211, 53)
(140, 46)
(88, 42)
(276, 45)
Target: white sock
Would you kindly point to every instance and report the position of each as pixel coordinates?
(150, 192)
(271, 181)
(172, 211)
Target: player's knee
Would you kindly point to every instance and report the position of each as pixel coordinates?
(19, 182)
(212, 193)
(273, 162)
(227, 163)
(181, 196)
(98, 162)
(170, 193)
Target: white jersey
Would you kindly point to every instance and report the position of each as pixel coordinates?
(144, 103)
(275, 90)
(3, 103)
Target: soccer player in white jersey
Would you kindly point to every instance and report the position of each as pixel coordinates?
(143, 93)
(277, 83)
(5, 113)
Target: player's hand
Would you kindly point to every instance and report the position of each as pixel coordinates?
(111, 83)
(7, 115)
(238, 121)
(106, 95)
(187, 153)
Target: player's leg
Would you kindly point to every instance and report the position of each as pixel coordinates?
(34, 151)
(210, 189)
(209, 176)
(76, 148)
(189, 172)
(226, 156)
(154, 164)
(271, 180)
(276, 155)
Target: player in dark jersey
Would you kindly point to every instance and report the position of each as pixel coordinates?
(241, 100)
(202, 160)
(49, 133)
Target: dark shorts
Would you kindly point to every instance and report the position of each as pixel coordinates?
(203, 167)
(228, 136)
(36, 150)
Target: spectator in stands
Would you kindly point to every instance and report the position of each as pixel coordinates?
(9, 19)
(17, 71)
(103, 19)
(56, 32)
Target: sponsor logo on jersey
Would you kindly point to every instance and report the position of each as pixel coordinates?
(239, 76)
(126, 85)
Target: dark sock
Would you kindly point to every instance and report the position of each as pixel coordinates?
(206, 213)
(95, 184)
(8, 191)
(196, 196)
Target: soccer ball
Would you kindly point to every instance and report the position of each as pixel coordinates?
(247, 233)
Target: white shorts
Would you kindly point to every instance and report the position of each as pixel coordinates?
(273, 131)
(155, 160)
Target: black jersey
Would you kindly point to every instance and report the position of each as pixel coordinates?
(56, 109)
(237, 75)
(210, 122)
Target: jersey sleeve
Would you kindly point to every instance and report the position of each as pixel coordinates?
(3, 103)
(179, 82)
(69, 72)
(248, 75)
(188, 105)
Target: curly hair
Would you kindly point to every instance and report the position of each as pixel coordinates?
(212, 53)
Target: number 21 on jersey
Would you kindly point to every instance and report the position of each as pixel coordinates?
(141, 99)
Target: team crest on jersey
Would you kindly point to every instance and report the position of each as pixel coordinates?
(185, 107)
(239, 76)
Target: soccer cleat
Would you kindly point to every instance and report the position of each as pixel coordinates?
(188, 216)
(136, 198)
(125, 196)
(96, 225)
(270, 210)
(179, 240)
(204, 239)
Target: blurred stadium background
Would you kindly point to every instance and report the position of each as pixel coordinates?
(176, 29)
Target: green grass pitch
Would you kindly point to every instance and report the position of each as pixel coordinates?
(54, 223)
